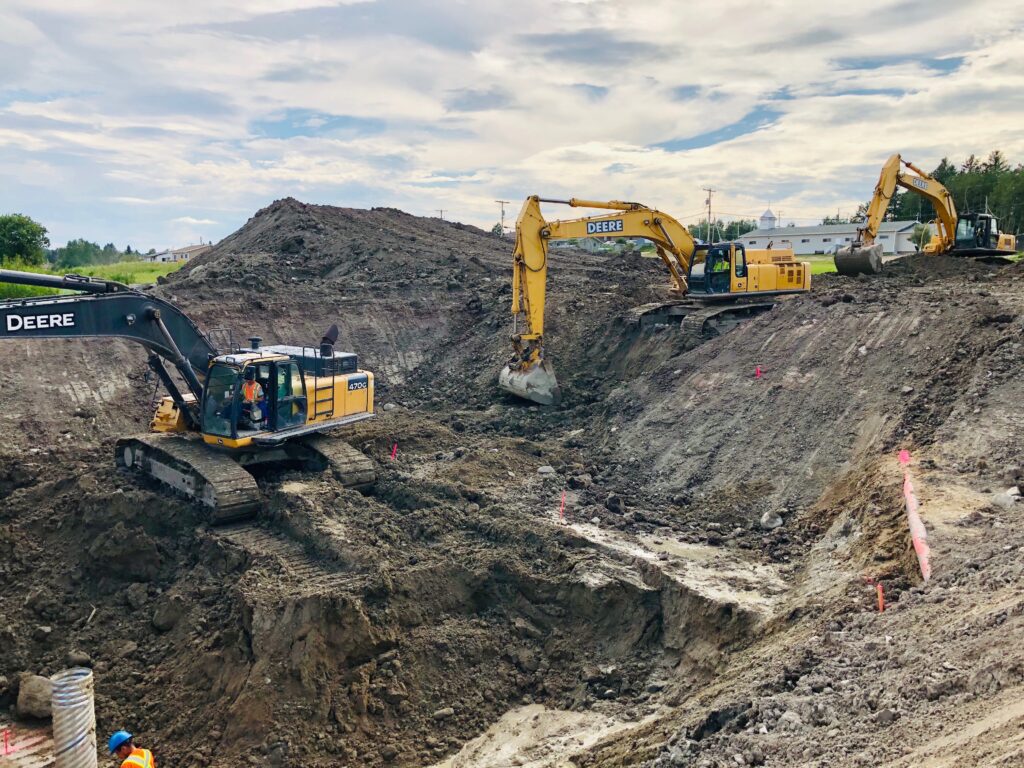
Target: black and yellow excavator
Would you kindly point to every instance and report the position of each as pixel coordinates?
(716, 286)
(971, 234)
(241, 409)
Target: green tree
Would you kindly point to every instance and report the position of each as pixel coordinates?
(79, 253)
(996, 163)
(496, 229)
(837, 219)
(722, 230)
(22, 239)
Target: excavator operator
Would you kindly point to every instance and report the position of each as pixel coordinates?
(253, 400)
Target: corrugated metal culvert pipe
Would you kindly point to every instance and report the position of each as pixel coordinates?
(74, 719)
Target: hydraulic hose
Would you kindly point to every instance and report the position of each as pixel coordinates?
(74, 719)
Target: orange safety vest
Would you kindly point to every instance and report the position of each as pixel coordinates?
(249, 391)
(139, 758)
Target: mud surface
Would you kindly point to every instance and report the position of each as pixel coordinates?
(458, 614)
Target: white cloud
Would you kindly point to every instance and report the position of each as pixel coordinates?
(195, 113)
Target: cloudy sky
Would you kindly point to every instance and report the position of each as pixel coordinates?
(157, 123)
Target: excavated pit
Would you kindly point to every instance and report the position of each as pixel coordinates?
(699, 594)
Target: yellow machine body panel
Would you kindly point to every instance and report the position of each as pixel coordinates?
(168, 417)
(291, 398)
(353, 393)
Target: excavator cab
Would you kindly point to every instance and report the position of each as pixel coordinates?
(244, 399)
(725, 266)
(974, 230)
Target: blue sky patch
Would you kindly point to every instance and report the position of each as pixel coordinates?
(685, 92)
(870, 92)
(592, 92)
(758, 118)
(944, 65)
(308, 122)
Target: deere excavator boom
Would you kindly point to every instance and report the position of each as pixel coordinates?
(529, 375)
(110, 309)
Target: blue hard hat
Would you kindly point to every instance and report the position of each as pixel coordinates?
(117, 740)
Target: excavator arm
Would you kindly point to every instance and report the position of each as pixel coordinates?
(864, 255)
(109, 309)
(528, 374)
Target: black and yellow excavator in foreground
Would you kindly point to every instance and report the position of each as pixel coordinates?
(718, 286)
(971, 234)
(248, 407)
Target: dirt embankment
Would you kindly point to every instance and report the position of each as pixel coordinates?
(700, 596)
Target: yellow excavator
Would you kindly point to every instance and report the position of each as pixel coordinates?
(970, 234)
(716, 286)
(241, 408)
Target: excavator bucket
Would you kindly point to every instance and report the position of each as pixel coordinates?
(862, 260)
(536, 383)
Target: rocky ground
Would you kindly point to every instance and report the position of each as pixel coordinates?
(705, 596)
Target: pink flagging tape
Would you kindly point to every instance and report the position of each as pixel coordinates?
(394, 451)
(757, 372)
(561, 509)
(918, 533)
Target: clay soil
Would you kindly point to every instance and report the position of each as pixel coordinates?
(705, 597)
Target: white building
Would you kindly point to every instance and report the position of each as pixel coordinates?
(177, 254)
(895, 236)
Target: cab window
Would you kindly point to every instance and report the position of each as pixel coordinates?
(741, 261)
(219, 400)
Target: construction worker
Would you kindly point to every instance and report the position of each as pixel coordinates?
(252, 397)
(123, 746)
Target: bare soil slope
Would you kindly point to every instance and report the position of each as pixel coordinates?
(661, 606)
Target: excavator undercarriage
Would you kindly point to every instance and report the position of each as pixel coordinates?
(223, 483)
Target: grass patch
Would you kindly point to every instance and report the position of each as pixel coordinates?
(819, 264)
(127, 272)
(130, 272)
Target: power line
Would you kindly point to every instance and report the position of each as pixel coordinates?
(441, 212)
(707, 202)
(503, 203)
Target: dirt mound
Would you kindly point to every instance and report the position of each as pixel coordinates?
(672, 561)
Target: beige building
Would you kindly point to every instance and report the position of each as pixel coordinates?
(177, 254)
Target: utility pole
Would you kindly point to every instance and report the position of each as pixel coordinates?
(441, 212)
(710, 192)
(502, 203)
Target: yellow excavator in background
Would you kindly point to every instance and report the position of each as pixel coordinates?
(969, 234)
(718, 286)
